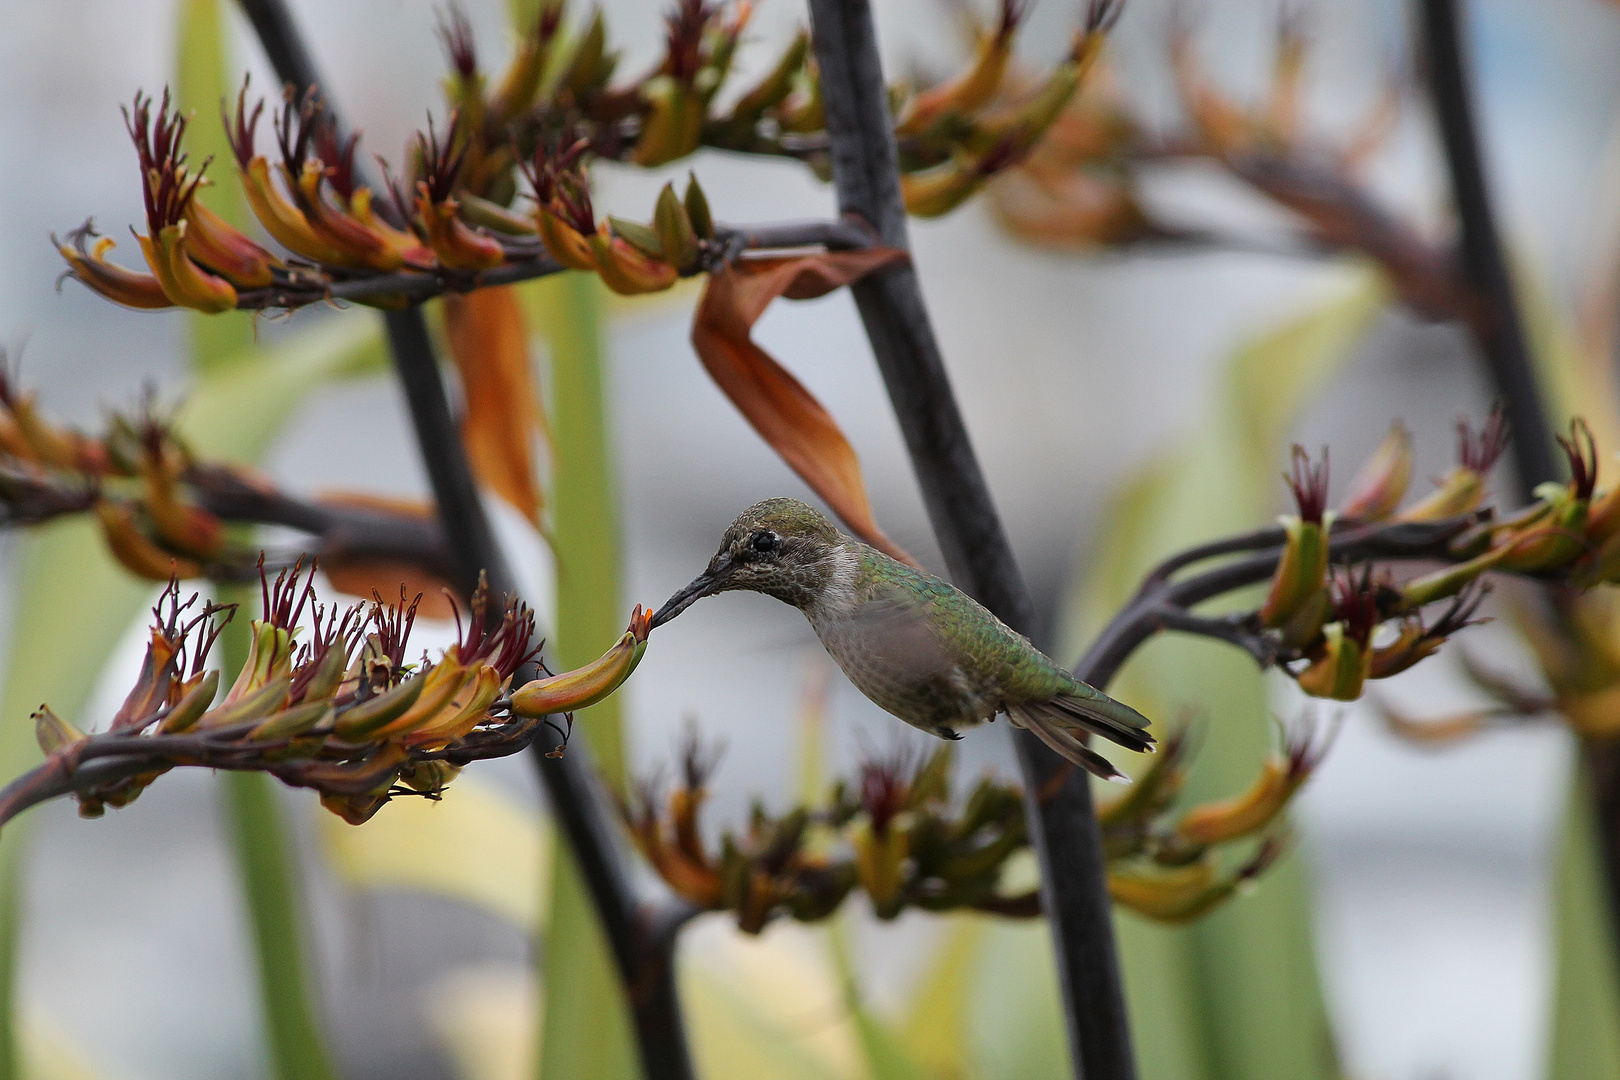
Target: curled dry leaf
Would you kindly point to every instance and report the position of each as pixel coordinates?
(785, 414)
(490, 346)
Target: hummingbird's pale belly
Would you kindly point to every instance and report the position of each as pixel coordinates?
(904, 671)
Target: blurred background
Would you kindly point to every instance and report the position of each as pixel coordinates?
(1429, 872)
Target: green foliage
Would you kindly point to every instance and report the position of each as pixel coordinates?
(1585, 1038)
(1234, 996)
(586, 1030)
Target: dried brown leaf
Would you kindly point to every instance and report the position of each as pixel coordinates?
(785, 414)
(489, 343)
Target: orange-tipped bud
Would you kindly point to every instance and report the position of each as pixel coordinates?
(1250, 812)
(213, 242)
(183, 281)
(281, 219)
(128, 287)
(565, 243)
(131, 547)
(361, 246)
(456, 245)
(1379, 487)
(585, 686)
(626, 270)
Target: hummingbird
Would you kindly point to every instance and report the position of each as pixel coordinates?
(917, 646)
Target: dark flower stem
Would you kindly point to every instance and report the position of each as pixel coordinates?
(1493, 316)
(642, 948)
(1490, 308)
(1063, 826)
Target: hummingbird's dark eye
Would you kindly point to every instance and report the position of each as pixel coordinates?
(765, 542)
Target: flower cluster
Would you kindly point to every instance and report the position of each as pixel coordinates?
(164, 513)
(453, 221)
(138, 479)
(1080, 188)
(1324, 623)
(344, 711)
(899, 835)
(1165, 864)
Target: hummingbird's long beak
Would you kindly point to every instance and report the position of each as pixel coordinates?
(707, 583)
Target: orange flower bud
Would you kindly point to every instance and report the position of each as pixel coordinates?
(585, 686)
(565, 243)
(457, 246)
(214, 243)
(625, 270)
(184, 282)
(127, 287)
(139, 555)
(281, 219)
(361, 247)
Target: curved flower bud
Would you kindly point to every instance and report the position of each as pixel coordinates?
(1416, 642)
(361, 246)
(585, 686)
(179, 523)
(1302, 571)
(1182, 894)
(1379, 487)
(1463, 489)
(626, 270)
(53, 733)
(439, 690)
(458, 246)
(673, 127)
(183, 281)
(974, 87)
(774, 88)
(1255, 809)
(213, 242)
(128, 287)
(130, 546)
(1342, 662)
(183, 714)
(470, 706)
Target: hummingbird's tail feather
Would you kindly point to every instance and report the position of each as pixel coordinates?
(1100, 714)
(1057, 730)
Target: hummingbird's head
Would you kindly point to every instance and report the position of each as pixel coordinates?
(780, 547)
